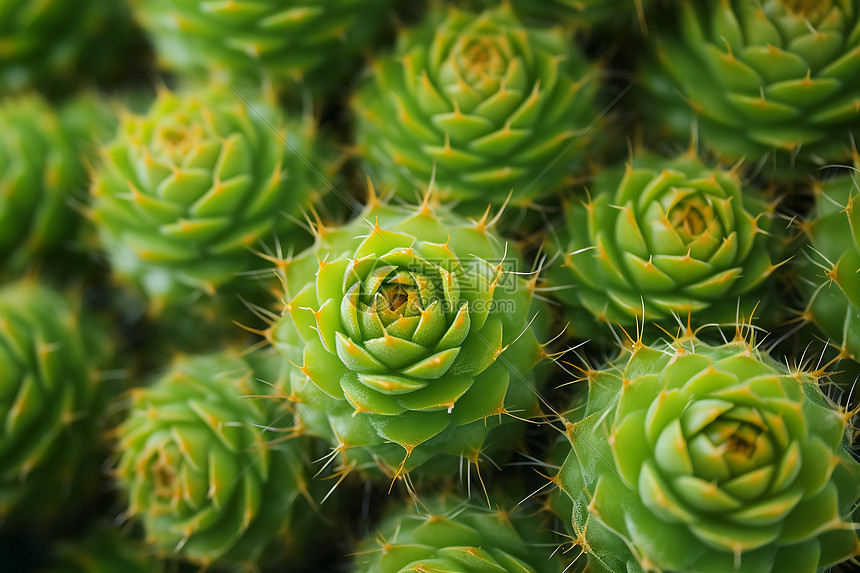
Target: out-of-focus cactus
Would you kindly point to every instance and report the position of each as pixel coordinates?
(199, 471)
(50, 402)
(481, 104)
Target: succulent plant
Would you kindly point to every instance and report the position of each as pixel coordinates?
(201, 474)
(664, 237)
(55, 45)
(776, 78)
(51, 399)
(829, 268)
(40, 175)
(293, 43)
(705, 459)
(184, 192)
(481, 104)
(450, 534)
(412, 335)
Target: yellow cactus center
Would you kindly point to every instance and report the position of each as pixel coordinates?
(178, 140)
(481, 58)
(163, 478)
(690, 219)
(738, 445)
(691, 215)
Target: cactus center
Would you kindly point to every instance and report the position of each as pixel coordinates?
(481, 58)
(162, 477)
(739, 445)
(177, 141)
(396, 297)
(691, 217)
(745, 444)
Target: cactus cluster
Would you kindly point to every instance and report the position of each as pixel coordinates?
(451, 286)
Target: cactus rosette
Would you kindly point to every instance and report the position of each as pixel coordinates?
(185, 191)
(51, 399)
(293, 43)
(198, 470)
(829, 268)
(40, 174)
(672, 238)
(415, 338)
(762, 77)
(707, 459)
(450, 534)
(479, 103)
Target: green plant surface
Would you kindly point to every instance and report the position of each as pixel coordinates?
(480, 104)
(705, 459)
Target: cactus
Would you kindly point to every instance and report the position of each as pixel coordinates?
(296, 44)
(449, 534)
(761, 78)
(412, 336)
(184, 192)
(481, 104)
(704, 459)
(830, 264)
(662, 241)
(199, 471)
(51, 400)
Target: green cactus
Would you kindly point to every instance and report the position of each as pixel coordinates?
(830, 265)
(51, 398)
(664, 237)
(294, 43)
(706, 459)
(200, 473)
(775, 78)
(451, 535)
(184, 192)
(415, 339)
(40, 176)
(56, 45)
(481, 104)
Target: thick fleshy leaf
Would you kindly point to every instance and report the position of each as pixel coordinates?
(357, 358)
(704, 495)
(670, 451)
(434, 366)
(364, 397)
(391, 385)
(768, 511)
(457, 330)
(431, 326)
(395, 353)
(658, 497)
(411, 432)
(441, 394)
